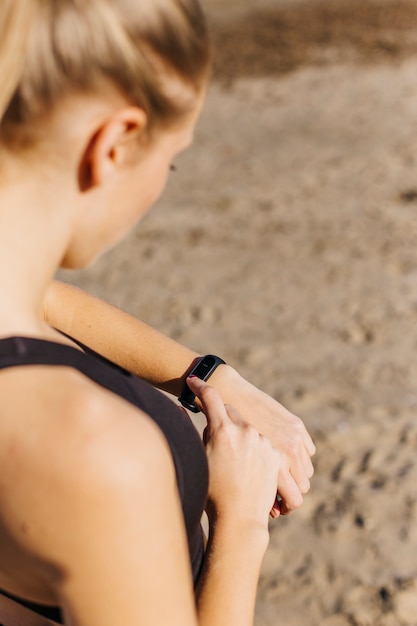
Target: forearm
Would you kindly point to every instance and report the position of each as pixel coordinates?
(118, 336)
(226, 593)
(164, 363)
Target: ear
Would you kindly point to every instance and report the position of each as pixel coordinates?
(111, 147)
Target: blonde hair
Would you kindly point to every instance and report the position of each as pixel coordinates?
(15, 18)
(74, 46)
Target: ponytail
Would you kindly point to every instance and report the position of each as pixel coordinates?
(15, 18)
(141, 47)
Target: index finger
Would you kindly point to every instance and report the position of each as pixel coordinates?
(212, 404)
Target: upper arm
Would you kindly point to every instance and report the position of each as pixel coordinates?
(106, 514)
(128, 562)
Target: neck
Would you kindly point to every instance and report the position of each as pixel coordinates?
(34, 233)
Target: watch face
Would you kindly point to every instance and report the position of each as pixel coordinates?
(204, 368)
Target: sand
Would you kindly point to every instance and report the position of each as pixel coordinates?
(286, 242)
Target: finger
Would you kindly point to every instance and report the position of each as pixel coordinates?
(211, 402)
(309, 444)
(301, 432)
(301, 469)
(308, 467)
(276, 508)
(289, 492)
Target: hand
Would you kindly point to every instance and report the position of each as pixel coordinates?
(243, 464)
(286, 432)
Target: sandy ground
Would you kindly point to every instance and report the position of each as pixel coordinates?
(286, 242)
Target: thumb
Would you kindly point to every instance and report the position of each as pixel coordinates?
(212, 404)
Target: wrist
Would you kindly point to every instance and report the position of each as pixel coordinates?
(226, 381)
(238, 520)
(248, 535)
(203, 368)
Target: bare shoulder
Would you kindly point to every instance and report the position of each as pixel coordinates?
(88, 502)
(69, 447)
(68, 413)
(60, 401)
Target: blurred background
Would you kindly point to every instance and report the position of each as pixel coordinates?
(286, 243)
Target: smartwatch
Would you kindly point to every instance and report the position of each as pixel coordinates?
(203, 369)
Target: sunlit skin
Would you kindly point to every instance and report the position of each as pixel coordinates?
(164, 363)
(112, 334)
(79, 464)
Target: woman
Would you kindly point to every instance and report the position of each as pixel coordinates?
(104, 479)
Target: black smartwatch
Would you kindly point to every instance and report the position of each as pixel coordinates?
(203, 369)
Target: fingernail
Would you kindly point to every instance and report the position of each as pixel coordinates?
(193, 376)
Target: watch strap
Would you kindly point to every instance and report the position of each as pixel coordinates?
(203, 369)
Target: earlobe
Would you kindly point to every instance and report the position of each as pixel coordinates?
(110, 147)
